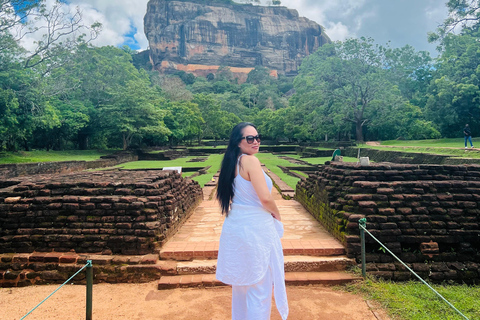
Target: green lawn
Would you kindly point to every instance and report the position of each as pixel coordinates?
(270, 160)
(213, 160)
(415, 301)
(450, 147)
(45, 156)
(461, 152)
(430, 143)
(300, 173)
(321, 160)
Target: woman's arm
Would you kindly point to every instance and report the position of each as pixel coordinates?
(252, 167)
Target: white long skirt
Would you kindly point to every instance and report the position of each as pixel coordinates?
(250, 258)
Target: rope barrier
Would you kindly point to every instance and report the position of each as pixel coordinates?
(362, 224)
(88, 264)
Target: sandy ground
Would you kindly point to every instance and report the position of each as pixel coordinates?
(144, 301)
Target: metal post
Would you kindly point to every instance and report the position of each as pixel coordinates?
(89, 289)
(363, 223)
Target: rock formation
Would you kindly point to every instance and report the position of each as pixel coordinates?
(197, 37)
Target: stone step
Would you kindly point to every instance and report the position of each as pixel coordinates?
(291, 279)
(185, 250)
(292, 264)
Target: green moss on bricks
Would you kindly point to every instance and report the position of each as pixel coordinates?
(317, 204)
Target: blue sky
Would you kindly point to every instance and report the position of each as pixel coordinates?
(401, 22)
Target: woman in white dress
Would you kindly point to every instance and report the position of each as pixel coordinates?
(250, 256)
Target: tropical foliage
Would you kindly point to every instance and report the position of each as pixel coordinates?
(66, 94)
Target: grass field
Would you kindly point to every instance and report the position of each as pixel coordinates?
(415, 301)
(271, 161)
(45, 156)
(213, 160)
(451, 147)
(321, 160)
(431, 143)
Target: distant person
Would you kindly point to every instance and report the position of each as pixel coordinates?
(468, 136)
(250, 254)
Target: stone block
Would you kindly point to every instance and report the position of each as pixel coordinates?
(402, 276)
(367, 204)
(404, 211)
(386, 211)
(387, 275)
(420, 210)
(388, 225)
(385, 190)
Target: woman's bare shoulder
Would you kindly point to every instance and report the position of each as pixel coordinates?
(250, 160)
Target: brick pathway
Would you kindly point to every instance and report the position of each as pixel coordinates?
(312, 255)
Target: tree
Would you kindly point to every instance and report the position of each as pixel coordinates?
(218, 123)
(8, 117)
(249, 95)
(351, 76)
(259, 75)
(173, 88)
(61, 31)
(454, 93)
(134, 111)
(184, 121)
(463, 14)
(411, 71)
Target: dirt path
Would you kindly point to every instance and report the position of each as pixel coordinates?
(144, 301)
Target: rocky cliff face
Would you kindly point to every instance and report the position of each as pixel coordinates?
(196, 37)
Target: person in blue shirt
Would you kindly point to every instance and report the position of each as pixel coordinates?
(468, 136)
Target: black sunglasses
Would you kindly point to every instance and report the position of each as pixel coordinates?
(251, 138)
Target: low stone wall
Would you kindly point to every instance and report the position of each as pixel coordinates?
(397, 156)
(25, 269)
(428, 215)
(8, 171)
(108, 212)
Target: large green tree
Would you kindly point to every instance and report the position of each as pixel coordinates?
(184, 120)
(454, 93)
(351, 78)
(135, 110)
(218, 123)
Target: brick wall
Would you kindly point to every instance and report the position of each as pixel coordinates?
(108, 212)
(8, 171)
(409, 208)
(25, 269)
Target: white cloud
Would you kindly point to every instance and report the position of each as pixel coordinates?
(337, 31)
(119, 19)
(401, 22)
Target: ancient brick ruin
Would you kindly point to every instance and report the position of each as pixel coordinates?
(54, 218)
(428, 215)
(11, 170)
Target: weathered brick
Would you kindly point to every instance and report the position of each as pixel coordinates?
(367, 204)
(359, 197)
(404, 211)
(71, 206)
(385, 190)
(388, 225)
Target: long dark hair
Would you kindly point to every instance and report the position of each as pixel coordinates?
(227, 171)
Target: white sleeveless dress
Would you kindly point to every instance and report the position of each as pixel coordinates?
(250, 244)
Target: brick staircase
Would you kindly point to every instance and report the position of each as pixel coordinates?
(312, 256)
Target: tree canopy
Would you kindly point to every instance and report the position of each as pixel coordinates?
(67, 94)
